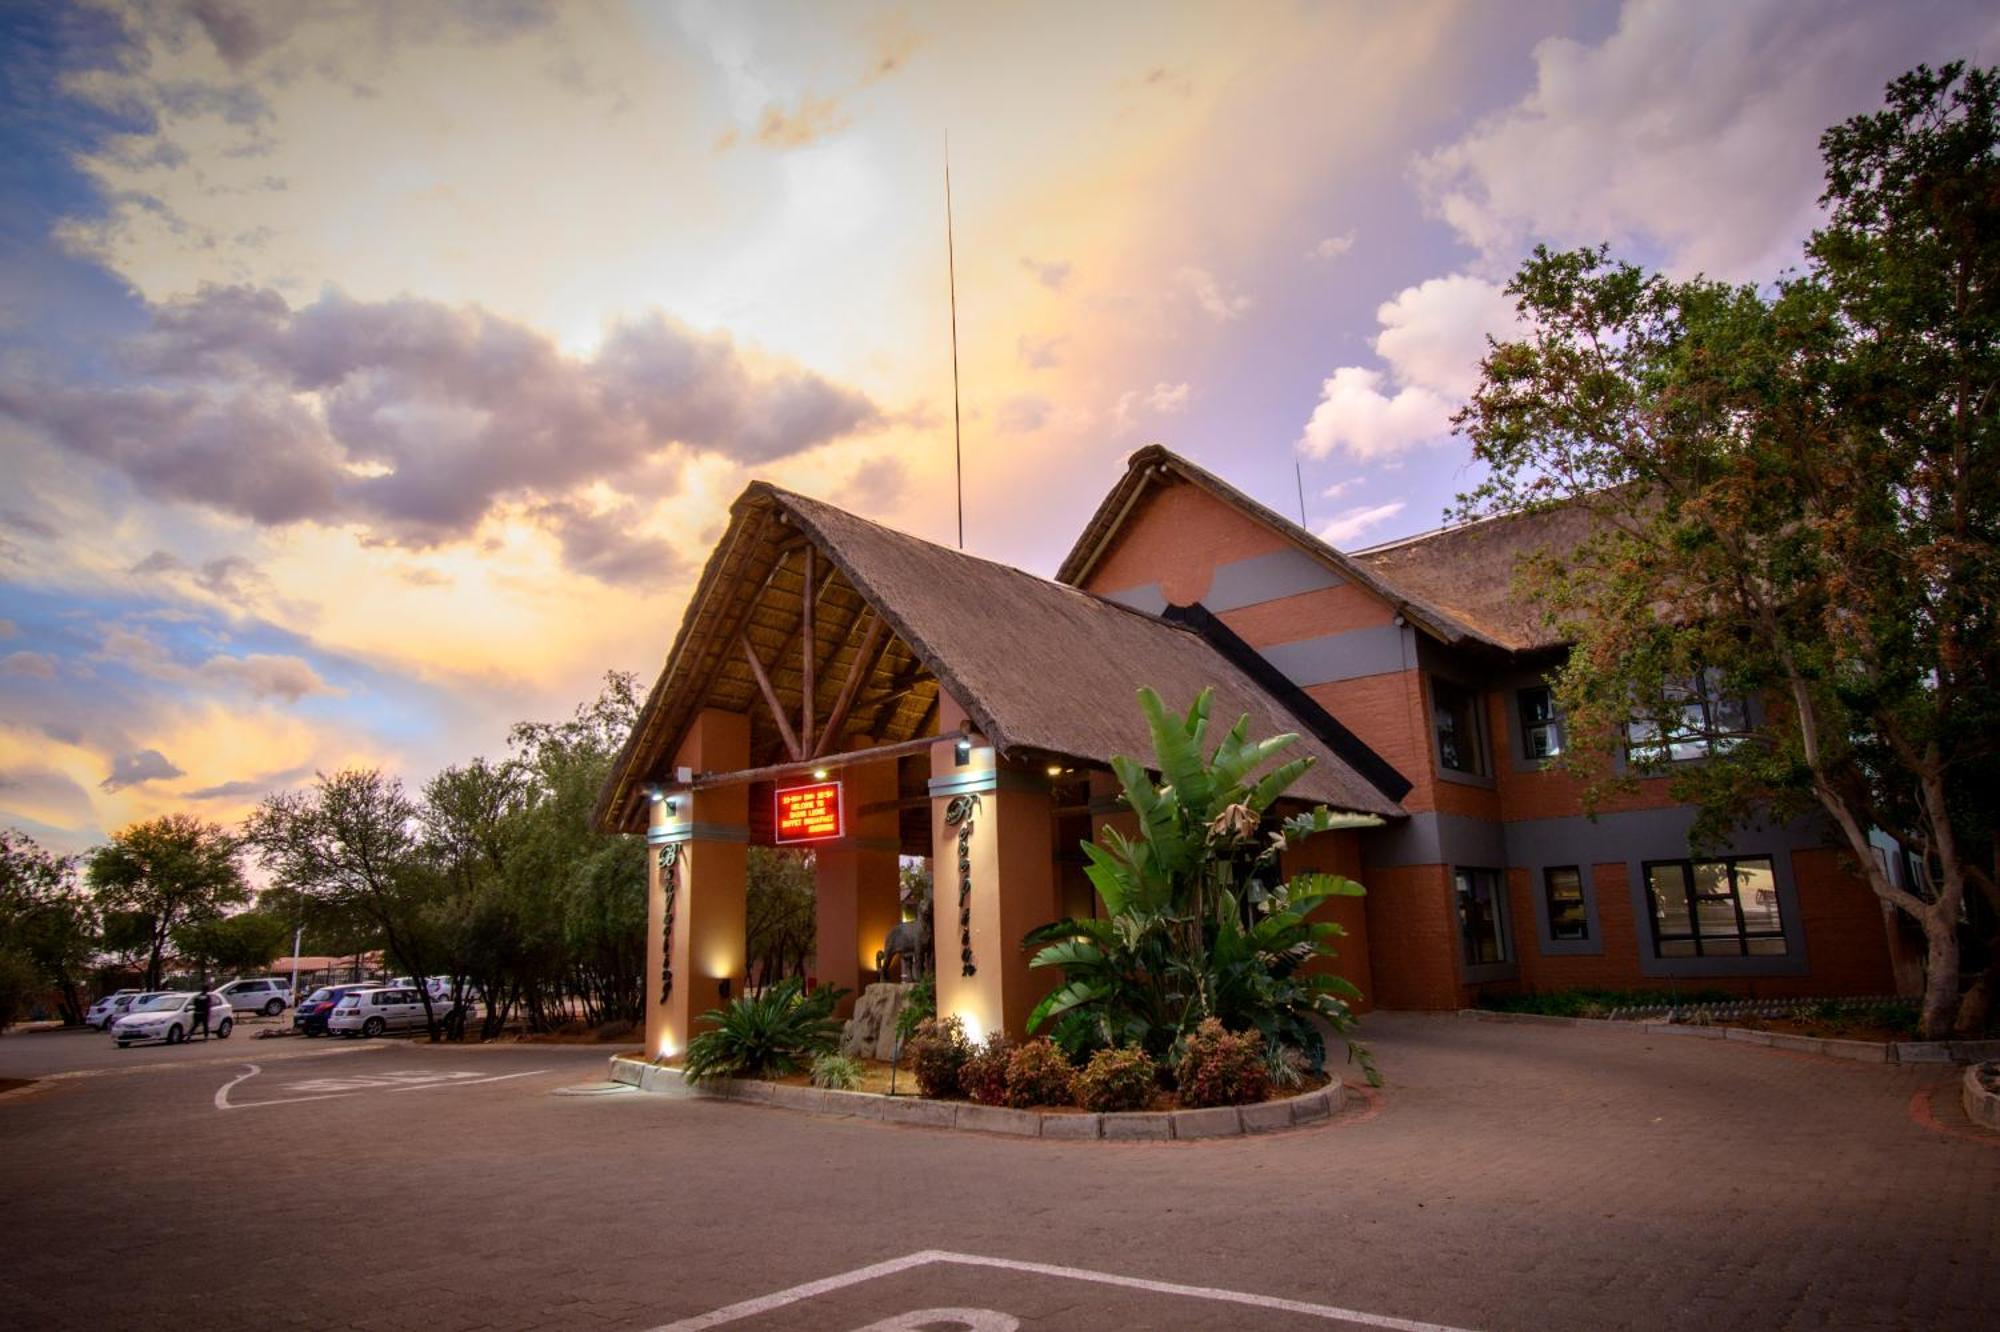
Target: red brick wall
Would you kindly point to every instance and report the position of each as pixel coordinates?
(1412, 937)
(1340, 853)
(1326, 610)
(1175, 537)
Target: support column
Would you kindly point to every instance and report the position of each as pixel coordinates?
(991, 830)
(699, 842)
(855, 902)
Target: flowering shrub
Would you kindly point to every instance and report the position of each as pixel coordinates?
(937, 1050)
(1117, 1080)
(1221, 1068)
(984, 1076)
(1039, 1073)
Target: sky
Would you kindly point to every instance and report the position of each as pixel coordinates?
(375, 375)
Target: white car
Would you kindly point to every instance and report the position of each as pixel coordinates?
(266, 996)
(372, 1012)
(110, 1008)
(169, 1017)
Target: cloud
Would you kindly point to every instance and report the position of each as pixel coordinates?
(1332, 247)
(1162, 399)
(1209, 295)
(1339, 488)
(1354, 522)
(415, 420)
(814, 118)
(1174, 80)
(231, 577)
(1433, 337)
(876, 485)
(262, 674)
(1039, 353)
(249, 786)
(1691, 126)
(1051, 273)
(1023, 414)
(609, 545)
(144, 765)
(27, 525)
(8, 629)
(29, 665)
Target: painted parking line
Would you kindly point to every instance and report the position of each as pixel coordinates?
(981, 1319)
(328, 1089)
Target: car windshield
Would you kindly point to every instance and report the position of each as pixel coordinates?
(159, 1003)
(320, 995)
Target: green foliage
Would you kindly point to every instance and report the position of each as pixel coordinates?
(20, 984)
(1795, 489)
(771, 1032)
(836, 1072)
(1113, 1080)
(1579, 1002)
(245, 942)
(937, 1051)
(171, 871)
(1218, 1067)
(983, 1078)
(920, 1004)
(780, 918)
(1039, 1073)
(47, 920)
(1198, 922)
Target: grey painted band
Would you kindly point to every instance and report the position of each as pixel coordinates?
(1261, 578)
(878, 845)
(1146, 599)
(1331, 658)
(697, 832)
(986, 779)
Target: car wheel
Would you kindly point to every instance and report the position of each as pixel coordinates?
(222, 1032)
(374, 1027)
(275, 1007)
(174, 1034)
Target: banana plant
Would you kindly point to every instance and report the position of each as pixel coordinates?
(1197, 921)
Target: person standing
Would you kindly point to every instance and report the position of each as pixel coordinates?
(200, 1009)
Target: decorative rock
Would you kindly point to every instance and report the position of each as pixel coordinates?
(871, 1032)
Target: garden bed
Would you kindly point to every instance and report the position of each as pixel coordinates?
(1736, 1029)
(1298, 1108)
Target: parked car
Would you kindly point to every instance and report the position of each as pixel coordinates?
(169, 1017)
(309, 1018)
(374, 1011)
(110, 1008)
(262, 995)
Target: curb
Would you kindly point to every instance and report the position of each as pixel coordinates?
(1228, 1121)
(1982, 1107)
(1863, 1052)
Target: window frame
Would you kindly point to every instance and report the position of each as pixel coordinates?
(1482, 748)
(1742, 936)
(1553, 726)
(1700, 691)
(1582, 904)
(1461, 876)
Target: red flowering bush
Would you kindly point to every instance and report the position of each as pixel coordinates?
(937, 1051)
(1039, 1073)
(984, 1076)
(1117, 1080)
(1222, 1068)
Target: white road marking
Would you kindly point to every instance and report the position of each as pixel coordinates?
(222, 1101)
(961, 1320)
(792, 1295)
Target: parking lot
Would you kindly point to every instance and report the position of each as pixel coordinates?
(1507, 1177)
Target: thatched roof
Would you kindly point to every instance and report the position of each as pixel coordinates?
(1456, 584)
(1042, 669)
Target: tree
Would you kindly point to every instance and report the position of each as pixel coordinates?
(351, 843)
(780, 912)
(171, 871)
(1795, 498)
(48, 926)
(246, 941)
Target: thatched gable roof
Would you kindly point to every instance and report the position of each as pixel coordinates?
(1042, 669)
(1455, 584)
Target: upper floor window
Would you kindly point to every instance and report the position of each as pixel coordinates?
(1541, 724)
(1699, 720)
(1460, 739)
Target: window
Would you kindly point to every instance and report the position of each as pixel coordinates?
(1456, 713)
(1481, 915)
(1563, 887)
(1541, 726)
(1715, 908)
(1698, 719)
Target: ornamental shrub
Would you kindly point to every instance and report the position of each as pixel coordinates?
(937, 1050)
(1039, 1073)
(837, 1072)
(759, 1034)
(984, 1076)
(1218, 1067)
(1117, 1080)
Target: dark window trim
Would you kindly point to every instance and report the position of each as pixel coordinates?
(1582, 902)
(1743, 934)
(1502, 920)
(1704, 691)
(1482, 744)
(1525, 726)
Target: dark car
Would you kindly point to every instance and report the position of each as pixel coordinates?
(309, 1018)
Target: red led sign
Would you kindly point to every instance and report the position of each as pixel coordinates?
(807, 813)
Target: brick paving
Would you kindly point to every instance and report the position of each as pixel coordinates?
(1508, 1177)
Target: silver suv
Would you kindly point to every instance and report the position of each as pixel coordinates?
(266, 996)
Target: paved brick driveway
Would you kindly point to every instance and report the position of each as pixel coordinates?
(1511, 1177)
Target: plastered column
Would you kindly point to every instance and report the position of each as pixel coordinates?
(706, 836)
(855, 900)
(1009, 885)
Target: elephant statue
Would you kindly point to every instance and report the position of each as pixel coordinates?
(910, 942)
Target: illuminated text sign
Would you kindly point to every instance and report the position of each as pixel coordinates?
(807, 813)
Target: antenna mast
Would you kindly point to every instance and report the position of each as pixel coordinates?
(1299, 471)
(951, 274)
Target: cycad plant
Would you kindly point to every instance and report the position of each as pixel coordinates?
(1198, 922)
(777, 1031)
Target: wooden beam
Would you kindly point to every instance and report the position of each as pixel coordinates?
(863, 665)
(791, 740)
(708, 781)
(806, 645)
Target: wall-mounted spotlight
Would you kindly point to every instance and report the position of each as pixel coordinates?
(656, 794)
(962, 751)
(819, 774)
(673, 805)
(1055, 770)
(722, 988)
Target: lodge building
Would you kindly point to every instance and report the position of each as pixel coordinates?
(874, 695)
